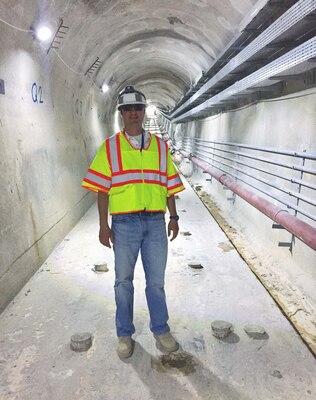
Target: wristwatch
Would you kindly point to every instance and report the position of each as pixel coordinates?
(176, 217)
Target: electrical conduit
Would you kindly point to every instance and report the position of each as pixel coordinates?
(298, 228)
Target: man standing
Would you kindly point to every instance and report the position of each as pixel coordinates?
(136, 180)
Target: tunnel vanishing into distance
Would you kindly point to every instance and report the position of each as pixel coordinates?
(232, 89)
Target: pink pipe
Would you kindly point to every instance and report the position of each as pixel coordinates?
(298, 228)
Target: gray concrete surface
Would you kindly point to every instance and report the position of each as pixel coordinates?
(284, 123)
(53, 115)
(66, 297)
(290, 276)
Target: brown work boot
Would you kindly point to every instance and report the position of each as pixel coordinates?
(167, 342)
(124, 346)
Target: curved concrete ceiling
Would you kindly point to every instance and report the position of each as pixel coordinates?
(160, 46)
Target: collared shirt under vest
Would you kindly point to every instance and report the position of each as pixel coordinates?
(135, 180)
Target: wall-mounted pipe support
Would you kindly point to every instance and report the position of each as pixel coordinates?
(305, 232)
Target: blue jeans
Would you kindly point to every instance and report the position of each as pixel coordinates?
(147, 234)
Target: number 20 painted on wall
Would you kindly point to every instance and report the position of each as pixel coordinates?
(37, 93)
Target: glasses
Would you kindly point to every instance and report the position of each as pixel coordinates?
(133, 107)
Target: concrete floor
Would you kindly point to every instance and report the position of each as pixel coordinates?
(66, 297)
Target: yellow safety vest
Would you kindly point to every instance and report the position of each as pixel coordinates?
(135, 180)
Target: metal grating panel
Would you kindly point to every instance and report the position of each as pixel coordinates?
(294, 57)
(296, 13)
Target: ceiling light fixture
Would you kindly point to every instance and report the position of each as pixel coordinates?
(43, 33)
(151, 111)
(105, 88)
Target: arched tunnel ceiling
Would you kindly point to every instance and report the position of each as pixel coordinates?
(160, 46)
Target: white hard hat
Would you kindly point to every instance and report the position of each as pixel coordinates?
(130, 96)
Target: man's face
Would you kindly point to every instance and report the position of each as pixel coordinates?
(133, 114)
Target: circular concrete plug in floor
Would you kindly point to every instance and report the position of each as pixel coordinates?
(81, 341)
(195, 265)
(221, 329)
(100, 268)
(255, 331)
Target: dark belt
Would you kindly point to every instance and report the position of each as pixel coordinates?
(144, 213)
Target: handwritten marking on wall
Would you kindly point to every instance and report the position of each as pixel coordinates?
(37, 92)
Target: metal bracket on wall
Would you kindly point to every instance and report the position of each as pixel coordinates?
(93, 67)
(284, 244)
(59, 35)
(2, 89)
(207, 179)
(277, 226)
(232, 198)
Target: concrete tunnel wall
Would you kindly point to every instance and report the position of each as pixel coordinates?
(52, 120)
(53, 117)
(284, 123)
(51, 123)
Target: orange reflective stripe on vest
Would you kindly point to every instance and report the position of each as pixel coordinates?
(162, 150)
(122, 177)
(174, 181)
(97, 179)
(113, 150)
(135, 180)
(139, 178)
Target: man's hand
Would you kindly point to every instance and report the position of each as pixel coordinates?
(173, 227)
(106, 235)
